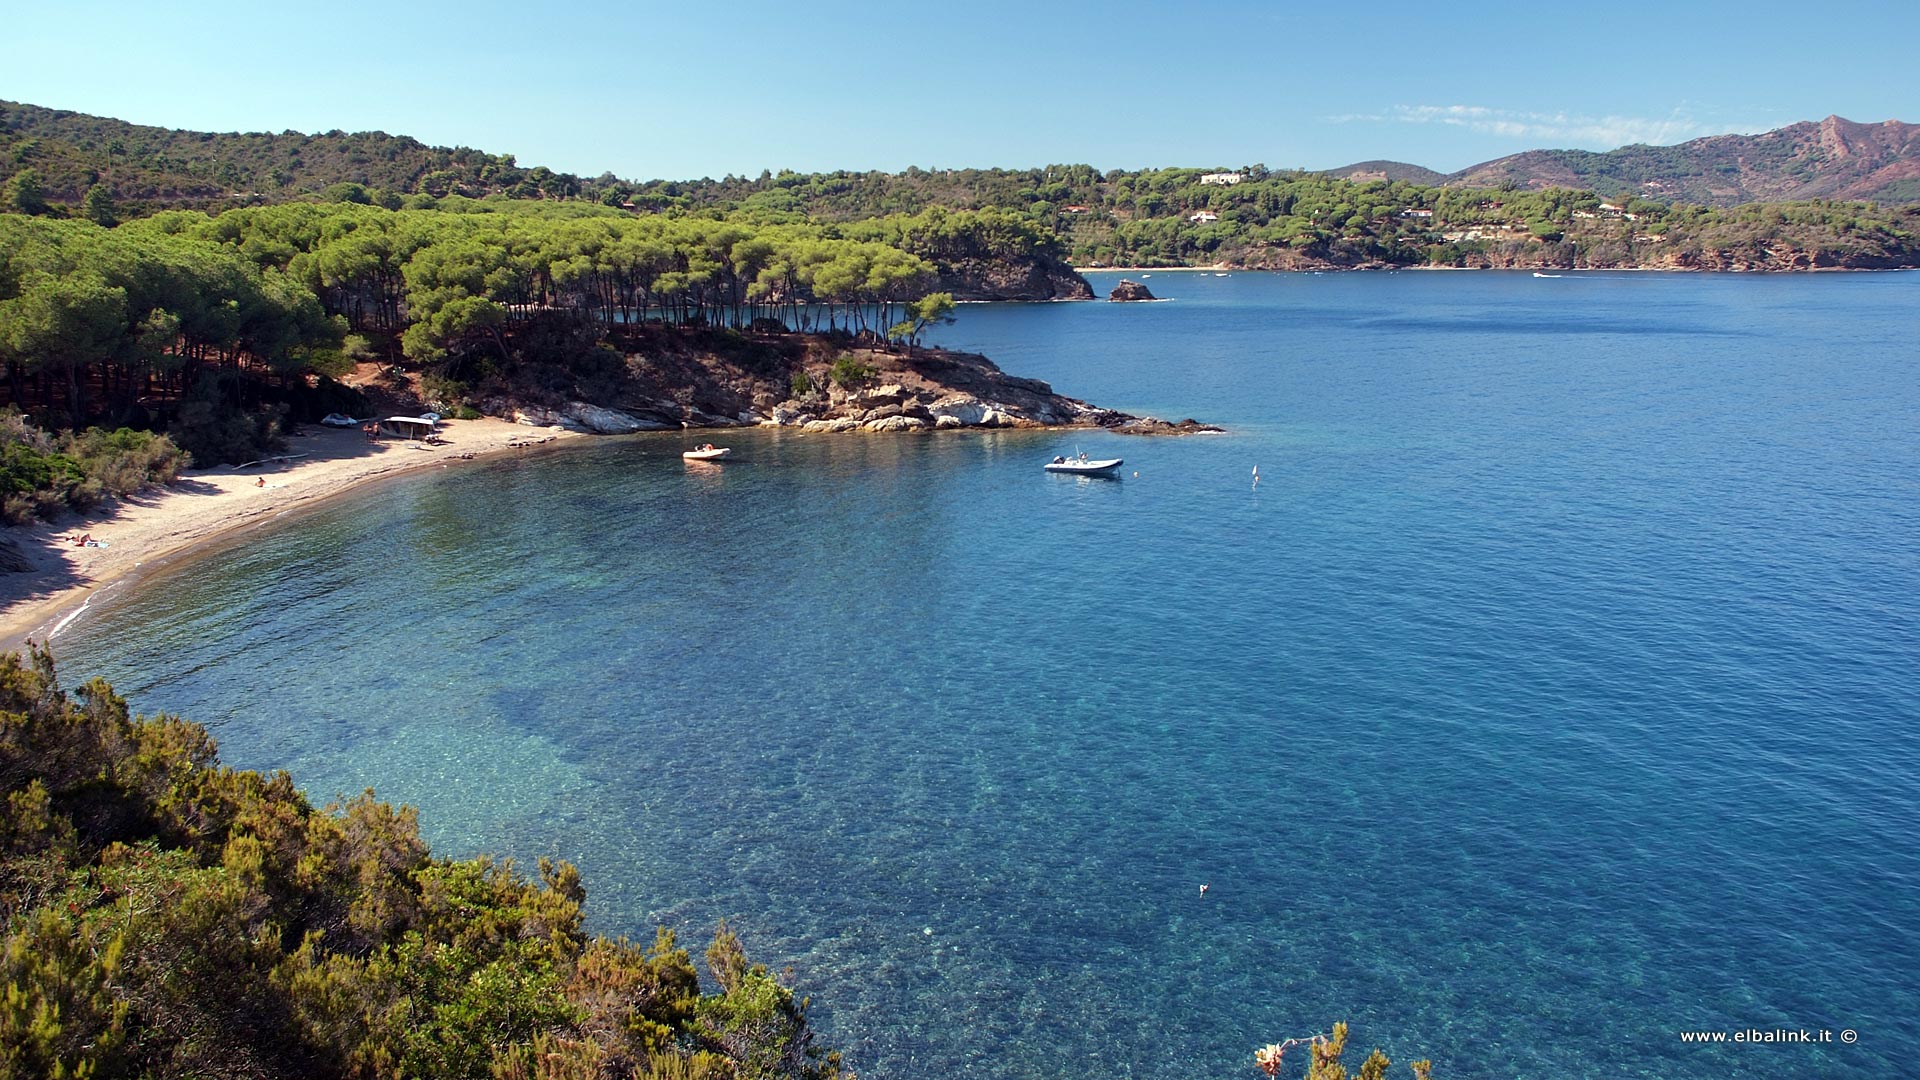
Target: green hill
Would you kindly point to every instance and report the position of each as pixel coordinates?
(167, 167)
(1363, 171)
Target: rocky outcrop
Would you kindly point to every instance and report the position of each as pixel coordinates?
(593, 419)
(817, 383)
(1041, 277)
(1128, 291)
(935, 390)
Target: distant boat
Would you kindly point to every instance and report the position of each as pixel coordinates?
(1082, 465)
(1537, 273)
(708, 452)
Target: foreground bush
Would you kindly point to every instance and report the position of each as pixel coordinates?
(168, 917)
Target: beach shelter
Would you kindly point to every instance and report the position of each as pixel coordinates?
(408, 427)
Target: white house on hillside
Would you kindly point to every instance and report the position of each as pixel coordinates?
(1222, 177)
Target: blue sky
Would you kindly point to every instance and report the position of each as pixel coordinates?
(690, 89)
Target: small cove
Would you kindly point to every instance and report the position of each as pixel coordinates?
(1552, 693)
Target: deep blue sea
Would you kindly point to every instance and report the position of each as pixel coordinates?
(1555, 692)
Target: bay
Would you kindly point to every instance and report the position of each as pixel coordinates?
(1553, 692)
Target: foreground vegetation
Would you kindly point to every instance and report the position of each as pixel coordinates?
(165, 916)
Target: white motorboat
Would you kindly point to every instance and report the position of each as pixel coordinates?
(707, 452)
(1083, 465)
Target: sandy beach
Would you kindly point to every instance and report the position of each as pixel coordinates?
(208, 505)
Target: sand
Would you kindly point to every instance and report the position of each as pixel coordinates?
(208, 505)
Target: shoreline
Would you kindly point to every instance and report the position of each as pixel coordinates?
(204, 508)
(1332, 269)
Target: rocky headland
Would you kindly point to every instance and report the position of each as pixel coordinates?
(663, 379)
(1037, 277)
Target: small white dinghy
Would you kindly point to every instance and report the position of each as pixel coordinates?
(707, 452)
(1083, 465)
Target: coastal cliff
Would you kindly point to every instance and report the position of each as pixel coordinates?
(659, 379)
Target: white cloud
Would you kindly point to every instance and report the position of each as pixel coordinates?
(1601, 131)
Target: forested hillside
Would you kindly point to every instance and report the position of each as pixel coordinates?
(1255, 217)
(71, 153)
(67, 164)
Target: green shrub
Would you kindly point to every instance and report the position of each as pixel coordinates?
(802, 384)
(443, 391)
(42, 475)
(848, 372)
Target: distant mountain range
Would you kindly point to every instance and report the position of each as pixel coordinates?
(1833, 159)
(154, 167)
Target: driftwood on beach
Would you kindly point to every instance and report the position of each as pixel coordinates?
(265, 460)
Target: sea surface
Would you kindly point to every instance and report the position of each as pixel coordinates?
(1554, 692)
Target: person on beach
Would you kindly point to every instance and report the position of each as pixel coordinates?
(262, 482)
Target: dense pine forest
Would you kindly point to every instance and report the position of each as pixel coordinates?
(218, 330)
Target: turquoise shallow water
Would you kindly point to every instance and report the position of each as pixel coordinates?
(1555, 692)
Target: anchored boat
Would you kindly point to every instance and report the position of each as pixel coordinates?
(1082, 464)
